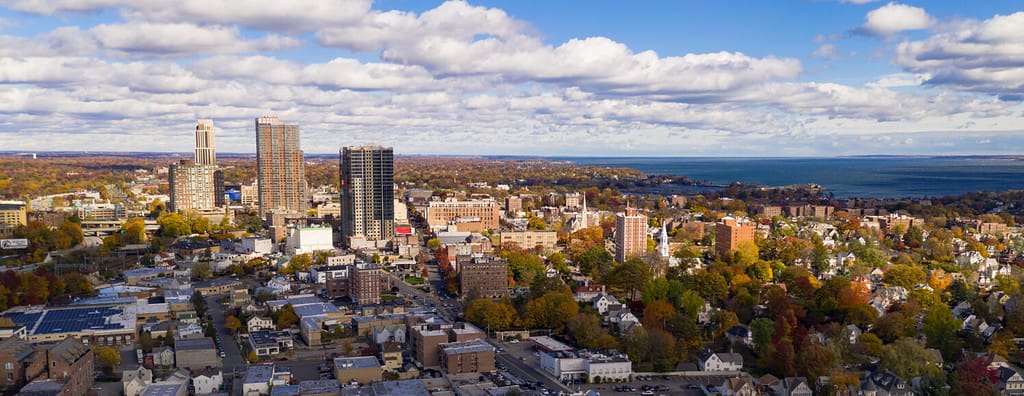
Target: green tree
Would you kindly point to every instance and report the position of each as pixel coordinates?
(907, 358)
(595, 262)
(146, 342)
(108, 358)
(536, 223)
(557, 261)
(173, 225)
(940, 329)
(761, 330)
(202, 271)
(904, 275)
(629, 277)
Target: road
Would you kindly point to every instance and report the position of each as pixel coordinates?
(520, 362)
(233, 356)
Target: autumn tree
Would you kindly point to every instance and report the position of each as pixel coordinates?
(585, 329)
(657, 313)
(904, 275)
(232, 323)
(492, 315)
(286, 317)
(550, 311)
(108, 358)
(202, 271)
(300, 262)
(974, 377)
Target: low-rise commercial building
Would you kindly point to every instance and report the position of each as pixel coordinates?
(474, 356)
(362, 370)
(196, 354)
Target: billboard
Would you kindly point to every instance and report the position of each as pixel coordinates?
(13, 244)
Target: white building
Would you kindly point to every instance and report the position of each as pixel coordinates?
(257, 380)
(310, 239)
(257, 323)
(208, 382)
(606, 367)
(257, 245)
(711, 361)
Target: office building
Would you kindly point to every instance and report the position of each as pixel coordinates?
(474, 356)
(367, 193)
(483, 276)
(193, 186)
(206, 153)
(730, 232)
(280, 167)
(630, 234)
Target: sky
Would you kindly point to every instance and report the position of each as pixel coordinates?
(562, 78)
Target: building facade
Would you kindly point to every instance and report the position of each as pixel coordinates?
(206, 153)
(367, 193)
(730, 232)
(280, 166)
(475, 356)
(630, 234)
(13, 213)
(68, 361)
(440, 213)
(193, 186)
(530, 239)
(365, 284)
(483, 276)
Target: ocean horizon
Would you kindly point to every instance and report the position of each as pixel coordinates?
(844, 177)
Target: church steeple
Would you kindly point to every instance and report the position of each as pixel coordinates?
(663, 241)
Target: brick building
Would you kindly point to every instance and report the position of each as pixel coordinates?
(68, 362)
(484, 276)
(729, 232)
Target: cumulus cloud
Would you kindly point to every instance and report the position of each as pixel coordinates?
(894, 18)
(982, 56)
(291, 16)
(143, 39)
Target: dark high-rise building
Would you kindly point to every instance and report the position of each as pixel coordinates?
(367, 194)
(280, 166)
(218, 188)
(192, 186)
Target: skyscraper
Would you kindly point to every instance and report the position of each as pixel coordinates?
(367, 177)
(280, 166)
(630, 234)
(206, 153)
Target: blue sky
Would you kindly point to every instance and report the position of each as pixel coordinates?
(679, 78)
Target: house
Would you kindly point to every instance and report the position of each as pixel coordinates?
(134, 381)
(588, 292)
(391, 355)
(385, 333)
(740, 334)
(257, 323)
(625, 320)
(793, 386)
(884, 382)
(853, 332)
(1011, 382)
(207, 381)
(14, 355)
(69, 362)
(739, 386)
(712, 361)
(603, 301)
(163, 357)
(175, 385)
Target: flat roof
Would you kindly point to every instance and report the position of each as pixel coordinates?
(259, 374)
(145, 271)
(162, 389)
(39, 320)
(410, 387)
(348, 363)
(193, 344)
(550, 344)
(471, 346)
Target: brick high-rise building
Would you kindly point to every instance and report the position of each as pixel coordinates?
(280, 166)
(630, 234)
(729, 232)
(364, 287)
(367, 193)
(193, 186)
(483, 276)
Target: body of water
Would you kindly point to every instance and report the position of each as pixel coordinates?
(876, 177)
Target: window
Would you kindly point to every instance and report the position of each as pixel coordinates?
(10, 376)
(9, 366)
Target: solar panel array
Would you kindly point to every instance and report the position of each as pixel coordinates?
(27, 319)
(78, 319)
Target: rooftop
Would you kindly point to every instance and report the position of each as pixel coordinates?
(471, 346)
(259, 374)
(162, 389)
(411, 387)
(550, 344)
(193, 344)
(39, 320)
(360, 362)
